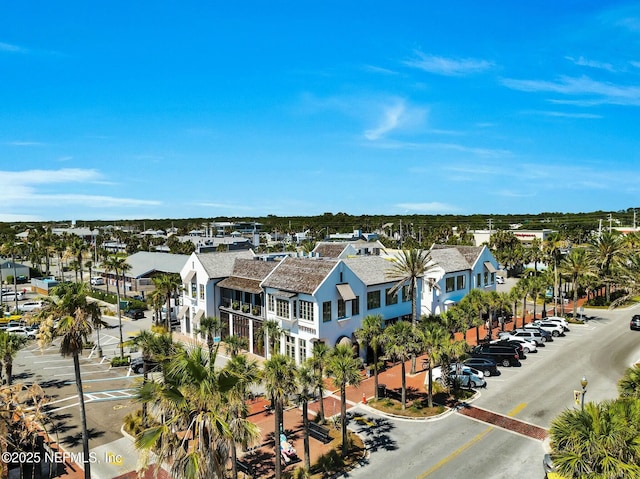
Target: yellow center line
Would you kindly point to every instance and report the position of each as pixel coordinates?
(466, 446)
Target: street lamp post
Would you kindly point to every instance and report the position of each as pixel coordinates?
(583, 383)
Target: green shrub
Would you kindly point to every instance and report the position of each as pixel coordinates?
(119, 362)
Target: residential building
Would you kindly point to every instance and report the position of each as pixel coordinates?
(455, 271)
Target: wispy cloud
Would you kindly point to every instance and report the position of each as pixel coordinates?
(24, 143)
(376, 69)
(448, 66)
(8, 47)
(583, 62)
(64, 175)
(391, 119)
(562, 114)
(431, 207)
(599, 92)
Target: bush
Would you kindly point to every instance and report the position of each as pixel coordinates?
(120, 362)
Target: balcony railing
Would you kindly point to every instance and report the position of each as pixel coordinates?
(242, 307)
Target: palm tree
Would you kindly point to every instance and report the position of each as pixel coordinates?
(10, 344)
(272, 330)
(371, 334)
(629, 384)
(477, 301)
(435, 337)
(75, 328)
(235, 344)
(577, 265)
(523, 288)
(403, 340)
(168, 285)
(307, 379)
(194, 433)
(210, 329)
(604, 251)
(344, 368)
(503, 306)
(119, 266)
(243, 431)
(599, 441)
(78, 248)
(407, 269)
(279, 378)
(320, 354)
(147, 341)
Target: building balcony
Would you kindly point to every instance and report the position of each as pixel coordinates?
(241, 307)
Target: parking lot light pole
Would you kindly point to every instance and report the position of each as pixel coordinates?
(583, 383)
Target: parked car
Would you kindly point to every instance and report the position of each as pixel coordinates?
(635, 323)
(97, 281)
(21, 331)
(531, 335)
(546, 335)
(506, 355)
(499, 279)
(137, 365)
(464, 375)
(488, 366)
(11, 295)
(554, 328)
(134, 314)
(561, 321)
(527, 346)
(31, 306)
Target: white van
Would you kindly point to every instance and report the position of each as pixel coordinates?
(11, 296)
(97, 281)
(31, 306)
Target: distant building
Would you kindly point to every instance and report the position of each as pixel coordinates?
(525, 236)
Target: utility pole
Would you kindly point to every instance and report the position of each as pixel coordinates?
(490, 222)
(610, 221)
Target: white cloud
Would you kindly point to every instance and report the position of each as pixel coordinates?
(583, 62)
(562, 114)
(599, 92)
(24, 143)
(64, 175)
(448, 66)
(391, 119)
(7, 47)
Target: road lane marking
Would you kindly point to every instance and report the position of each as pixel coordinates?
(466, 446)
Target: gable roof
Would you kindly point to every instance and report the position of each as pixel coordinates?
(299, 275)
(220, 264)
(145, 262)
(370, 269)
(455, 258)
(247, 275)
(327, 249)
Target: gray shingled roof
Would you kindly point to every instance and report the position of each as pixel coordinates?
(455, 258)
(247, 275)
(370, 269)
(330, 250)
(220, 264)
(145, 262)
(299, 275)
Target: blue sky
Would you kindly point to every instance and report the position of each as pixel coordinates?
(122, 110)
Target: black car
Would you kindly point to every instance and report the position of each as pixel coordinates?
(137, 365)
(517, 345)
(486, 365)
(505, 355)
(635, 323)
(134, 314)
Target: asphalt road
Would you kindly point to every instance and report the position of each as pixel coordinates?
(460, 447)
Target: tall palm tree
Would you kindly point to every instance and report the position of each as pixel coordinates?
(403, 340)
(279, 378)
(307, 379)
(78, 248)
(478, 303)
(235, 344)
(435, 337)
(600, 441)
(371, 335)
(210, 329)
(75, 327)
(10, 344)
(604, 250)
(169, 285)
(119, 266)
(148, 342)
(577, 265)
(272, 331)
(629, 383)
(320, 354)
(407, 269)
(193, 434)
(523, 288)
(244, 433)
(344, 368)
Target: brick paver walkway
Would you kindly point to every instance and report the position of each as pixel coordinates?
(504, 422)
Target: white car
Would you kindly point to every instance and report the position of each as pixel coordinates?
(97, 281)
(21, 331)
(499, 279)
(31, 306)
(531, 335)
(554, 328)
(464, 374)
(11, 296)
(557, 319)
(527, 346)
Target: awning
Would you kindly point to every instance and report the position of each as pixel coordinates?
(284, 294)
(189, 276)
(489, 266)
(345, 292)
(183, 310)
(198, 315)
(344, 340)
(449, 301)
